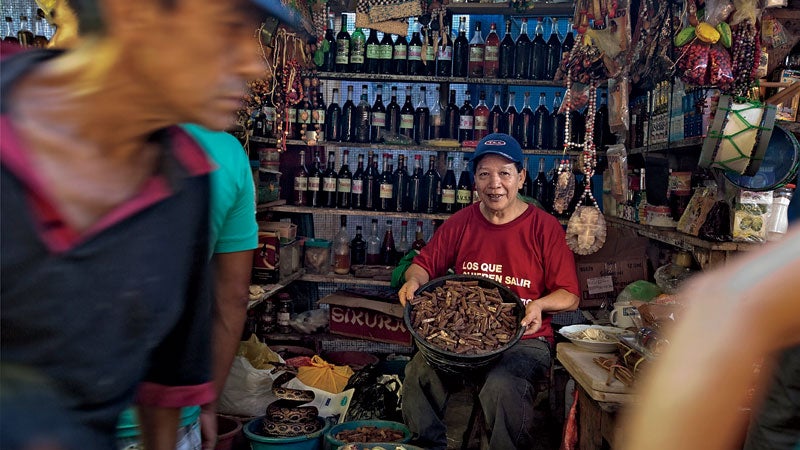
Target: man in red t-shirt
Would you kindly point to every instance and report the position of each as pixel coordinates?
(520, 246)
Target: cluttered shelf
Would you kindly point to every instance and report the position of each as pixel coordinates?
(271, 289)
(675, 145)
(354, 212)
(436, 79)
(343, 279)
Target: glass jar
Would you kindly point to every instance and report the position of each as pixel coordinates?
(268, 319)
(284, 313)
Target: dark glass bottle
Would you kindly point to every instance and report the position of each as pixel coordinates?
(318, 117)
(444, 54)
(526, 126)
(301, 182)
(388, 250)
(343, 47)
(302, 117)
(543, 123)
(333, 119)
(407, 116)
(422, 118)
(348, 122)
(559, 121)
(496, 116)
(393, 113)
(370, 195)
(577, 127)
(437, 117)
(315, 182)
(527, 182)
(329, 178)
(344, 182)
(415, 65)
(358, 248)
(357, 186)
(481, 118)
(430, 54)
(259, 119)
(511, 119)
(39, 39)
(373, 57)
(539, 53)
(358, 51)
(464, 188)
(400, 185)
(329, 55)
(415, 187)
(10, 37)
(539, 188)
(553, 51)
(466, 120)
(432, 187)
(568, 42)
(477, 49)
(386, 185)
(451, 118)
(461, 51)
(449, 187)
(378, 116)
(386, 53)
(506, 57)
(400, 55)
(602, 131)
(522, 53)
(419, 238)
(363, 116)
(491, 53)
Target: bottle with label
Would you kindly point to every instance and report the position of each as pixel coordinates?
(344, 182)
(374, 245)
(388, 251)
(301, 182)
(437, 117)
(419, 238)
(343, 47)
(511, 119)
(496, 116)
(444, 54)
(400, 55)
(403, 245)
(373, 58)
(329, 48)
(358, 249)
(341, 249)
(369, 197)
(481, 118)
(329, 179)
(507, 52)
(267, 320)
(553, 51)
(466, 120)
(10, 36)
(393, 113)
(378, 116)
(415, 186)
(464, 189)
(24, 35)
(284, 314)
(522, 53)
(356, 198)
(315, 182)
(400, 185)
(385, 53)
(333, 119)
(415, 65)
(559, 123)
(461, 51)
(543, 130)
(449, 187)
(429, 54)
(539, 188)
(477, 49)
(526, 126)
(407, 116)
(422, 118)
(363, 117)
(491, 53)
(269, 117)
(539, 53)
(302, 117)
(358, 51)
(258, 118)
(432, 187)
(386, 185)
(318, 118)
(348, 123)
(452, 119)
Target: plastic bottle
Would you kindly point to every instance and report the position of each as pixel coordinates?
(778, 220)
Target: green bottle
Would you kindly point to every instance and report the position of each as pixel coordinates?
(358, 50)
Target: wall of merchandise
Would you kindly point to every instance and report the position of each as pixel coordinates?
(15, 10)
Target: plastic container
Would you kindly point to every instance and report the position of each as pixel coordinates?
(311, 441)
(778, 220)
(317, 256)
(331, 443)
(454, 362)
(227, 430)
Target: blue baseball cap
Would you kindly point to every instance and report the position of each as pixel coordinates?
(497, 144)
(286, 15)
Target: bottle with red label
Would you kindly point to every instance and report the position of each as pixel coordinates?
(386, 185)
(444, 54)
(415, 65)
(481, 120)
(466, 120)
(476, 53)
(407, 116)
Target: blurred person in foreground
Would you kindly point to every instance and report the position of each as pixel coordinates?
(692, 396)
(520, 246)
(105, 221)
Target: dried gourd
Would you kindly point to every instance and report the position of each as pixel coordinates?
(706, 33)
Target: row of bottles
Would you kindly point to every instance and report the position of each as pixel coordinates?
(434, 53)
(371, 249)
(394, 190)
(24, 36)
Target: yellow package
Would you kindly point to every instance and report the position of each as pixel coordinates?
(324, 375)
(259, 354)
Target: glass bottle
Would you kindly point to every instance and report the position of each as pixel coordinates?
(39, 39)
(449, 187)
(559, 123)
(464, 188)
(388, 251)
(259, 119)
(373, 57)
(400, 55)
(461, 51)
(415, 186)
(466, 120)
(451, 117)
(481, 118)
(386, 185)
(577, 127)
(400, 185)
(522, 53)
(419, 238)
(477, 49)
(415, 65)
(329, 179)
(284, 314)
(24, 35)
(602, 130)
(527, 182)
(333, 119)
(393, 114)
(403, 245)
(422, 118)
(386, 53)
(358, 249)
(344, 183)
(569, 40)
(363, 115)
(374, 245)
(269, 117)
(526, 126)
(299, 114)
(343, 47)
(444, 54)
(491, 53)
(341, 249)
(348, 122)
(430, 54)
(378, 116)
(432, 187)
(11, 36)
(539, 188)
(301, 182)
(511, 118)
(539, 53)
(315, 182)
(329, 56)
(437, 117)
(370, 196)
(356, 187)
(506, 57)
(778, 220)
(553, 51)
(496, 116)
(407, 116)
(318, 118)
(543, 126)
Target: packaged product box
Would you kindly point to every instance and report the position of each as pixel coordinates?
(355, 316)
(605, 273)
(788, 109)
(266, 259)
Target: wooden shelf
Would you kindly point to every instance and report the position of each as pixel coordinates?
(272, 289)
(357, 212)
(343, 279)
(662, 146)
(504, 9)
(434, 79)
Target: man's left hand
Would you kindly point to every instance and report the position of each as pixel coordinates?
(533, 318)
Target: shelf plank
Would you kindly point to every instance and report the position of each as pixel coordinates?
(503, 9)
(272, 289)
(346, 76)
(678, 239)
(261, 207)
(343, 279)
(357, 212)
(662, 146)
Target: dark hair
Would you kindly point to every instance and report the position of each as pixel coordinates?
(90, 16)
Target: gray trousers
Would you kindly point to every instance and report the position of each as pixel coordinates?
(507, 397)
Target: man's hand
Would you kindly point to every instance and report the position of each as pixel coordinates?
(208, 426)
(406, 291)
(533, 317)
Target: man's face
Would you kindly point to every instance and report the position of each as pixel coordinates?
(198, 57)
(497, 181)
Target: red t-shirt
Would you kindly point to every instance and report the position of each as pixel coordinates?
(529, 255)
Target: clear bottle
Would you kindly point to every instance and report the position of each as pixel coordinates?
(39, 39)
(778, 221)
(403, 245)
(437, 117)
(24, 35)
(358, 249)
(11, 36)
(374, 245)
(341, 249)
(477, 48)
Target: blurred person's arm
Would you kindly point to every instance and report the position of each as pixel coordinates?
(159, 427)
(737, 314)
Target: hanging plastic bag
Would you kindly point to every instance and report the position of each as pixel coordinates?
(324, 375)
(618, 167)
(720, 68)
(693, 63)
(618, 113)
(576, 98)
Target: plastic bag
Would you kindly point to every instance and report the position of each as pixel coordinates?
(248, 388)
(324, 375)
(717, 226)
(376, 396)
(745, 10)
(618, 113)
(750, 216)
(576, 98)
(639, 290)
(697, 210)
(327, 403)
(718, 10)
(693, 62)
(720, 68)
(618, 167)
(310, 321)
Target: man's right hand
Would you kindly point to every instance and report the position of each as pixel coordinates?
(407, 291)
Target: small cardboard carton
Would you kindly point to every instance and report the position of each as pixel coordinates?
(355, 316)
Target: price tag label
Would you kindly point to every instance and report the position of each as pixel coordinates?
(600, 285)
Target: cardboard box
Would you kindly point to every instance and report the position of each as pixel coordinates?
(364, 318)
(266, 259)
(604, 274)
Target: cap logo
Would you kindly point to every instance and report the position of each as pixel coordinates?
(494, 142)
